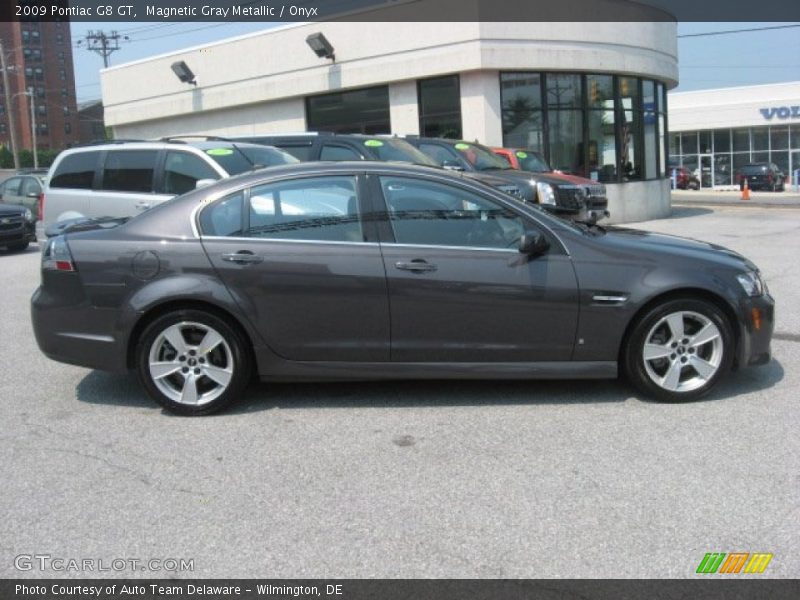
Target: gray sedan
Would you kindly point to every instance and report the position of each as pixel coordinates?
(334, 271)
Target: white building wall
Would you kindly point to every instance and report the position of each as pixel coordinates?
(731, 107)
(480, 107)
(404, 108)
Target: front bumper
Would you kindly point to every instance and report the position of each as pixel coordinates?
(757, 323)
(17, 233)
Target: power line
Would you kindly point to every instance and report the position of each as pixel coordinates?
(689, 35)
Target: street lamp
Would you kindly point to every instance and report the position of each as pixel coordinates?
(33, 125)
(321, 46)
(12, 130)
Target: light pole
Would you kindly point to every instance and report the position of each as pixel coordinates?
(12, 130)
(33, 124)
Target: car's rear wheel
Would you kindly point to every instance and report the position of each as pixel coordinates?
(192, 362)
(679, 350)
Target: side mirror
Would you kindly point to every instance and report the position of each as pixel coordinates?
(452, 165)
(201, 183)
(533, 243)
(32, 195)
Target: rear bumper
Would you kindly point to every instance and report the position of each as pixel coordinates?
(77, 334)
(756, 332)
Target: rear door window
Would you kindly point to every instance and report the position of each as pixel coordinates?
(31, 186)
(129, 170)
(183, 170)
(11, 187)
(76, 171)
(300, 152)
(438, 153)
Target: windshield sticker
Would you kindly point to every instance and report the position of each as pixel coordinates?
(373, 143)
(219, 151)
(462, 146)
(522, 155)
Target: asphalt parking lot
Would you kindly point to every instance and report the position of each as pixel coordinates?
(434, 479)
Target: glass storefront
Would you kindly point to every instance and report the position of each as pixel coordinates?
(728, 150)
(604, 127)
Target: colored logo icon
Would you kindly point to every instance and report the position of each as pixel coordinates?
(733, 563)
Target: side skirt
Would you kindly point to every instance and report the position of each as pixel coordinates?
(340, 371)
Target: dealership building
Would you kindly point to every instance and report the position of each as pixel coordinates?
(716, 132)
(589, 96)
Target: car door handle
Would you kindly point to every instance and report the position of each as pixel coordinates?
(242, 258)
(142, 205)
(417, 265)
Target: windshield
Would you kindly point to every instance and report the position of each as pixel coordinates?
(480, 158)
(401, 150)
(230, 158)
(754, 169)
(530, 161)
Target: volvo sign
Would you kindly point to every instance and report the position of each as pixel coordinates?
(781, 112)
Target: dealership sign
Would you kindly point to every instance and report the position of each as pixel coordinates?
(782, 112)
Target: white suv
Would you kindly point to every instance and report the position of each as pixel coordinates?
(121, 179)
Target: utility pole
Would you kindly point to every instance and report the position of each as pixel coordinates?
(33, 129)
(103, 43)
(12, 129)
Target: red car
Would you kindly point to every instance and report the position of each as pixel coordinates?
(685, 179)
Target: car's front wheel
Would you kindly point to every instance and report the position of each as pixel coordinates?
(679, 350)
(192, 362)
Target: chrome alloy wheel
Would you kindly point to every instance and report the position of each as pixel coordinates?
(682, 351)
(191, 363)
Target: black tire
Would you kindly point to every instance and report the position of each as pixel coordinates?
(18, 247)
(691, 383)
(231, 352)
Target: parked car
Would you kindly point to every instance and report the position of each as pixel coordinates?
(120, 179)
(585, 202)
(326, 146)
(24, 189)
(685, 179)
(761, 176)
(369, 270)
(17, 227)
(533, 162)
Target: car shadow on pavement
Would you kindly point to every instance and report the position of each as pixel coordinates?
(682, 212)
(122, 390)
(33, 248)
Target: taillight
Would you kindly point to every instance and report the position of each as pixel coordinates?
(56, 255)
(41, 206)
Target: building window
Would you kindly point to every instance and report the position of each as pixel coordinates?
(41, 109)
(356, 111)
(604, 127)
(40, 92)
(62, 74)
(2, 109)
(63, 92)
(66, 110)
(43, 129)
(2, 128)
(67, 127)
(440, 107)
(39, 73)
(29, 72)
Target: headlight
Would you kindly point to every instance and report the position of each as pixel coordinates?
(28, 214)
(752, 283)
(545, 193)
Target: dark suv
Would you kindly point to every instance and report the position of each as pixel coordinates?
(326, 146)
(579, 202)
(761, 176)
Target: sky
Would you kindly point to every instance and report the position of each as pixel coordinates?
(705, 62)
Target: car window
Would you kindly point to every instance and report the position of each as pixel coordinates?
(338, 153)
(300, 152)
(223, 217)
(433, 214)
(129, 170)
(318, 208)
(30, 185)
(482, 159)
(438, 153)
(530, 161)
(242, 158)
(398, 150)
(75, 171)
(12, 186)
(183, 170)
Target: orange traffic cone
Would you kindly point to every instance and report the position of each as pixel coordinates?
(745, 190)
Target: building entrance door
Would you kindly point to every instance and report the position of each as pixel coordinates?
(794, 165)
(706, 171)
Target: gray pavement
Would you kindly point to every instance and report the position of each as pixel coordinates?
(434, 479)
(786, 199)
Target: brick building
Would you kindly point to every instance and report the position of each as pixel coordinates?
(39, 56)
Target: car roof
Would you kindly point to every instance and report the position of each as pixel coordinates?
(203, 144)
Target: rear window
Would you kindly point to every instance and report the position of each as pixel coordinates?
(75, 171)
(400, 150)
(530, 161)
(129, 170)
(754, 169)
(245, 158)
